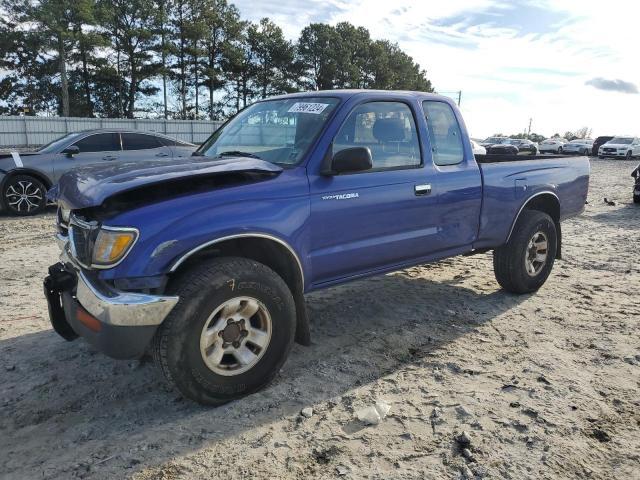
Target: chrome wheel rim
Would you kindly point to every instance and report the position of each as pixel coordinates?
(23, 196)
(536, 255)
(236, 336)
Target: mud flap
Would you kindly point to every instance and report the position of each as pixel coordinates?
(303, 332)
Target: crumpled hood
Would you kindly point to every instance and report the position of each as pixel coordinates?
(90, 186)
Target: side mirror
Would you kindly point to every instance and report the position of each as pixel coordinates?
(71, 151)
(356, 159)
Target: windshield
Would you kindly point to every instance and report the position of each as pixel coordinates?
(278, 131)
(621, 140)
(494, 140)
(54, 147)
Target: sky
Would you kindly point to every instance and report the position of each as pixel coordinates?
(565, 64)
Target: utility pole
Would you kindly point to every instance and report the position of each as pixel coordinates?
(459, 97)
(529, 130)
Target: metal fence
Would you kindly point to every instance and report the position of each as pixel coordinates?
(22, 132)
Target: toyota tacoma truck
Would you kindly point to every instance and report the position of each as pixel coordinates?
(205, 264)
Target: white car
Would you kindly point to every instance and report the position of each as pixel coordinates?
(477, 148)
(552, 145)
(579, 145)
(620, 147)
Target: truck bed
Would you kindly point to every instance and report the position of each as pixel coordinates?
(509, 181)
(497, 158)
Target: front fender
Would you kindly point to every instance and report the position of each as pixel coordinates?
(172, 229)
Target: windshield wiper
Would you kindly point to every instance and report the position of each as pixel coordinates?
(238, 153)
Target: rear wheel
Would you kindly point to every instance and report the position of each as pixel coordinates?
(230, 332)
(24, 195)
(525, 262)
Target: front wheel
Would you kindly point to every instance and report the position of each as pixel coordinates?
(230, 332)
(628, 155)
(559, 149)
(525, 262)
(24, 195)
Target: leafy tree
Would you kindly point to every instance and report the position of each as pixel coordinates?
(222, 26)
(107, 57)
(315, 45)
(130, 25)
(28, 87)
(390, 68)
(273, 58)
(239, 69)
(584, 132)
(87, 41)
(351, 55)
(345, 56)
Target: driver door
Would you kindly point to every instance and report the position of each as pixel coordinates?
(96, 148)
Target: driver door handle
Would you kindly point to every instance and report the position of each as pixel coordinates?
(162, 154)
(422, 189)
(109, 157)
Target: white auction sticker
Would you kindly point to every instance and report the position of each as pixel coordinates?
(304, 107)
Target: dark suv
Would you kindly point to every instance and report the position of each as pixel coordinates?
(598, 143)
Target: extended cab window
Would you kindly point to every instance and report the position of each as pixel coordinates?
(444, 133)
(137, 141)
(101, 142)
(387, 128)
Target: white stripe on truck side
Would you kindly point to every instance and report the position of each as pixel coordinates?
(17, 160)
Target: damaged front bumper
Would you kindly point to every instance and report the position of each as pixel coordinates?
(120, 324)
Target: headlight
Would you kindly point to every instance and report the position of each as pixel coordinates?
(112, 244)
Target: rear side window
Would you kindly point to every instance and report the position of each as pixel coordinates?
(101, 142)
(444, 133)
(170, 142)
(387, 128)
(137, 141)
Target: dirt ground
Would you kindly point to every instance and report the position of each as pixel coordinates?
(546, 385)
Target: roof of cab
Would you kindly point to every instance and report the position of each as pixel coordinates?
(345, 94)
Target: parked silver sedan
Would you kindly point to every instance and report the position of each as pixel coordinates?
(25, 177)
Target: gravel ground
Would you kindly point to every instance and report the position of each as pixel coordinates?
(546, 385)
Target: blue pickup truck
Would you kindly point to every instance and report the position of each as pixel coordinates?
(205, 264)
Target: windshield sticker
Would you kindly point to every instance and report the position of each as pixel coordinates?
(304, 107)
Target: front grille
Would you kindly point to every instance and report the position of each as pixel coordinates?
(609, 150)
(82, 235)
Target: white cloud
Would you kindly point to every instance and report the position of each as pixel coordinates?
(511, 63)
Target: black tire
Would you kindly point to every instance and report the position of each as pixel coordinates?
(24, 195)
(509, 261)
(636, 199)
(559, 150)
(628, 155)
(202, 289)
